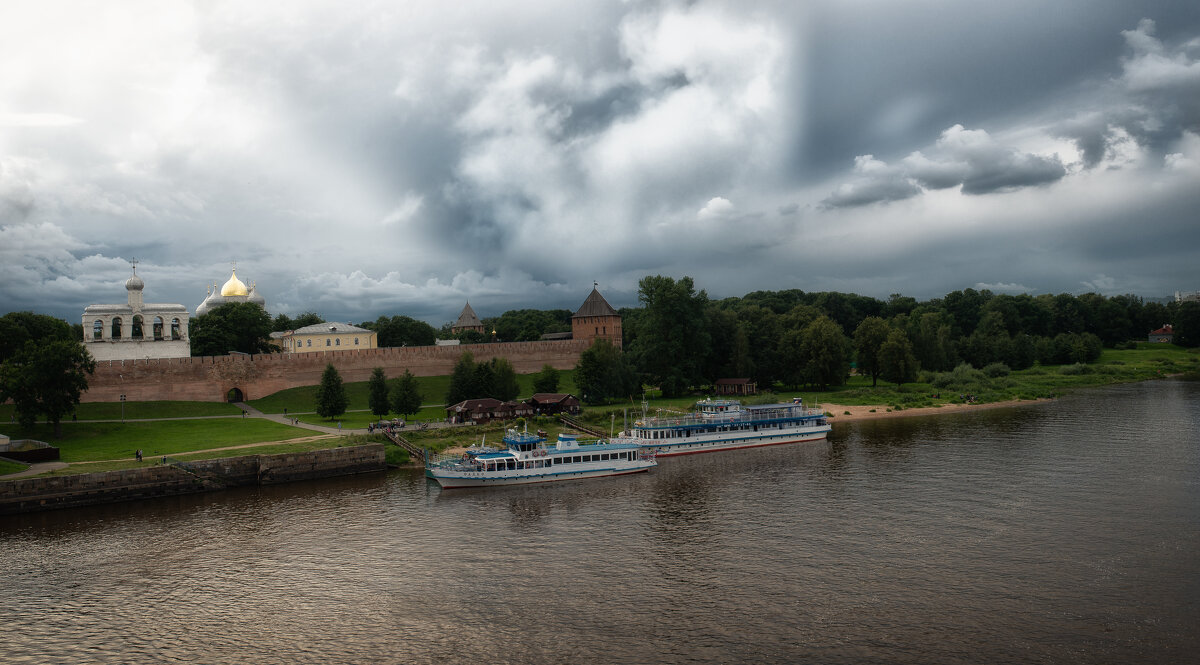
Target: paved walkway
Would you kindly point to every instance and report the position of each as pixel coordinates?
(35, 469)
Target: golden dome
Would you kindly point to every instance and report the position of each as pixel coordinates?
(234, 287)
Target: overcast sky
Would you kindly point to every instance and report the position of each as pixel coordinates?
(370, 158)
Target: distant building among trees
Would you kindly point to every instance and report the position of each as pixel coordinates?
(467, 322)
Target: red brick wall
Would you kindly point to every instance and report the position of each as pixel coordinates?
(209, 378)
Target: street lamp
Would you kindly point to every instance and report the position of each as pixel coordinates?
(122, 408)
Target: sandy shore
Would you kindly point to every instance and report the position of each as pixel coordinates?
(883, 411)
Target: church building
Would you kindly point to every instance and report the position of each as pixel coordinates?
(136, 329)
(234, 290)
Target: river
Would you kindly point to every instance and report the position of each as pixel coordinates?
(1064, 532)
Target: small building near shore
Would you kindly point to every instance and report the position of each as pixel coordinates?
(474, 410)
(551, 403)
(736, 387)
(1164, 335)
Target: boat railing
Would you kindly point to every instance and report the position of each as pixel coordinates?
(786, 411)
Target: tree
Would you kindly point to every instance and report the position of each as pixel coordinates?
(377, 393)
(16, 328)
(485, 381)
(896, 360)
(406, 397)
(504, 380)
(823, 352)
(462, 380)
(234, 326)
(401, 331)
(528, 325)
(1187, 324)
(603, 373)
(672, 339)
(546, 381)
(308, 319)
(868, 339)
(331, 394)
(46, 377)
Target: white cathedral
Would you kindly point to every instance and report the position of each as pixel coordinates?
(234, 290)
(137, 329)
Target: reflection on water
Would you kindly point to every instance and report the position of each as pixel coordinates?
(1062, 532)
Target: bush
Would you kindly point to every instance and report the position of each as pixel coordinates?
(1075, 370)
(995, 370)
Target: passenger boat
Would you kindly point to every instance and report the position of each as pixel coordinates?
(525, 459)
(726, 424)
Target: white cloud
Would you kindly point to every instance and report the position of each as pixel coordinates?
(408, 207)
(716, 208)
(1003, 287)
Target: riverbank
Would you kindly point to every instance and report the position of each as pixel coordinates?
(841, 413)
(173, 477)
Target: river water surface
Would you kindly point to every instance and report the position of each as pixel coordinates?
(1064, 532)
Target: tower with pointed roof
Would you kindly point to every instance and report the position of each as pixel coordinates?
(467, 321)
(596, 319)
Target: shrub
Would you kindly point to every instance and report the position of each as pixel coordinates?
(995, 370)
(1075, 370)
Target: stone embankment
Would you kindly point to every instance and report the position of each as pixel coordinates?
(178, 477)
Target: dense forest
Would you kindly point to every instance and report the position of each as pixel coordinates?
(679, 339)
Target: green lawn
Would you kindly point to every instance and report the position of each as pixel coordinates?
(140, 410)
(103, 441)
(7, 467)
(433, 392)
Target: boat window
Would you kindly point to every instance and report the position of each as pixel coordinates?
(604, 456)
(549, 461)
(577, 459)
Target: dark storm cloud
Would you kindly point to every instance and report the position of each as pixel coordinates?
(970, 158)
(373, 159)
(1154, 100)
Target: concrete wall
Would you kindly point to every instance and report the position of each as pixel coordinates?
(209, 378)
(33, 494)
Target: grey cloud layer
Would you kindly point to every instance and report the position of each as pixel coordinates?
(364, 160)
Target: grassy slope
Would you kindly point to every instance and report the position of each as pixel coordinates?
(102, 441)
(433, 391)
(139, 410)
(7, 467)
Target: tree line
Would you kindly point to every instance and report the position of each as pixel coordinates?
(679, 339)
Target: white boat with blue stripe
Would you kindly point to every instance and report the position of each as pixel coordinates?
(525, 459)
(726, 424)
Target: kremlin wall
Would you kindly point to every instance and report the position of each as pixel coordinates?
(158, 366)
(213, 378)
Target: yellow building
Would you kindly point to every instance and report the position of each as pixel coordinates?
(325, 337)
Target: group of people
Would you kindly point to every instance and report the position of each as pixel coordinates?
(385, 426)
